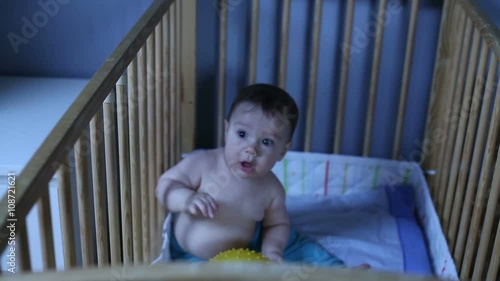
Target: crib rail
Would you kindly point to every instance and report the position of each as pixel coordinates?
(462, 138)
(109, 148)
(233, 272)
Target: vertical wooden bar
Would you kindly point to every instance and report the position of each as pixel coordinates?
(254, 37)
(81, 153)
(142, 88)
(124, 160)
(24, 246)
(482, 190)
(495, 257)
(374, 76)
(406, 78)
(457, 92)
(188, 59)
(178, 85)
(344, 76)
(66, 215)
(46, 234)
(487, 228)
(285, 30)
(151, 123)
(432, 122)
(171, 96)
(99, 191)
(167, 92)
(135, 169)
(222, 73)
(457, 150)
(469, 171)
(158, 129)
(313, 73)
(111, 178)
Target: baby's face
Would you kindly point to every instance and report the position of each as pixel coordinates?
(254, 141)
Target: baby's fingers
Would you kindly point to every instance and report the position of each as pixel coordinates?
(213, 205)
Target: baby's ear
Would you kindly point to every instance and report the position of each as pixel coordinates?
(287, 147)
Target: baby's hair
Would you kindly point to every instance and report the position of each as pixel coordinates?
(272, 100)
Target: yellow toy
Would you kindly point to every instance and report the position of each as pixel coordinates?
(239, 255)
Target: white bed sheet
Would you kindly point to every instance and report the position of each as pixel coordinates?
(357, 229)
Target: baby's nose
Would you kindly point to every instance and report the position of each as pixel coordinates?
(251, 151)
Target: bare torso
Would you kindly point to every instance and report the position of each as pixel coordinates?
(241, 204)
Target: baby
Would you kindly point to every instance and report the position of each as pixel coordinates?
(229, 198)
(220, 195)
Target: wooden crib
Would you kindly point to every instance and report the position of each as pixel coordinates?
(137, 115)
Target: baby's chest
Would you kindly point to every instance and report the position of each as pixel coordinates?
(239, 204)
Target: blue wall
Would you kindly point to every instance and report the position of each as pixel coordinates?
(391, 68)
(79, 35)
(63, 38)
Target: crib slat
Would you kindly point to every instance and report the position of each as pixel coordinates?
(346, 52)
(165, 105)
(124, 160)
(178, 85)
(465, 167)
(406, 78)
(457, 90)
(81, 151)
(150, 54)
(313, 74)
(221, 73)
(482, 190)
(433, 121)
(111, 178)
(285, 31)
(487, 228)
(159, 126)
(173, 83)
(99, 191)
(135, 173)
(166, 89)
(188, 82)
(495, 257)
(374, 76)
(66, 215)
(254, 37)
(24, 246)
(457, 150)
(142, 88)
(46, 233)
(463, 210)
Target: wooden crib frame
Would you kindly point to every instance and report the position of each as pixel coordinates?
(150, 76)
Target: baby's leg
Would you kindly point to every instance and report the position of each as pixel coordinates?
(304, 250)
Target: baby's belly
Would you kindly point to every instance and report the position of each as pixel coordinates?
(206, 238)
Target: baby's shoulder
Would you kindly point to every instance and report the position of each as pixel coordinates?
(274, 185)
(202, 158)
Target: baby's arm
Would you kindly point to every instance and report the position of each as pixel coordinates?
(276, 228)
(176, 188)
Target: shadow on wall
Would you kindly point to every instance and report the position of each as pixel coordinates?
(63, 38)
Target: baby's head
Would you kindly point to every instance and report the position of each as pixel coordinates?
(259, 129)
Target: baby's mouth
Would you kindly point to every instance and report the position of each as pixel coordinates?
(247, 167)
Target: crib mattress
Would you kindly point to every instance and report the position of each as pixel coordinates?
(367, 210)
(363, 228)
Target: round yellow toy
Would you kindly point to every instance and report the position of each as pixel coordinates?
(245, 255)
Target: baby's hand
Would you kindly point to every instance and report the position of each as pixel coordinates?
(201, 203)
(273, 257)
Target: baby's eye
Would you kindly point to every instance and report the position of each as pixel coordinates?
(242, 134)
(267, 142)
